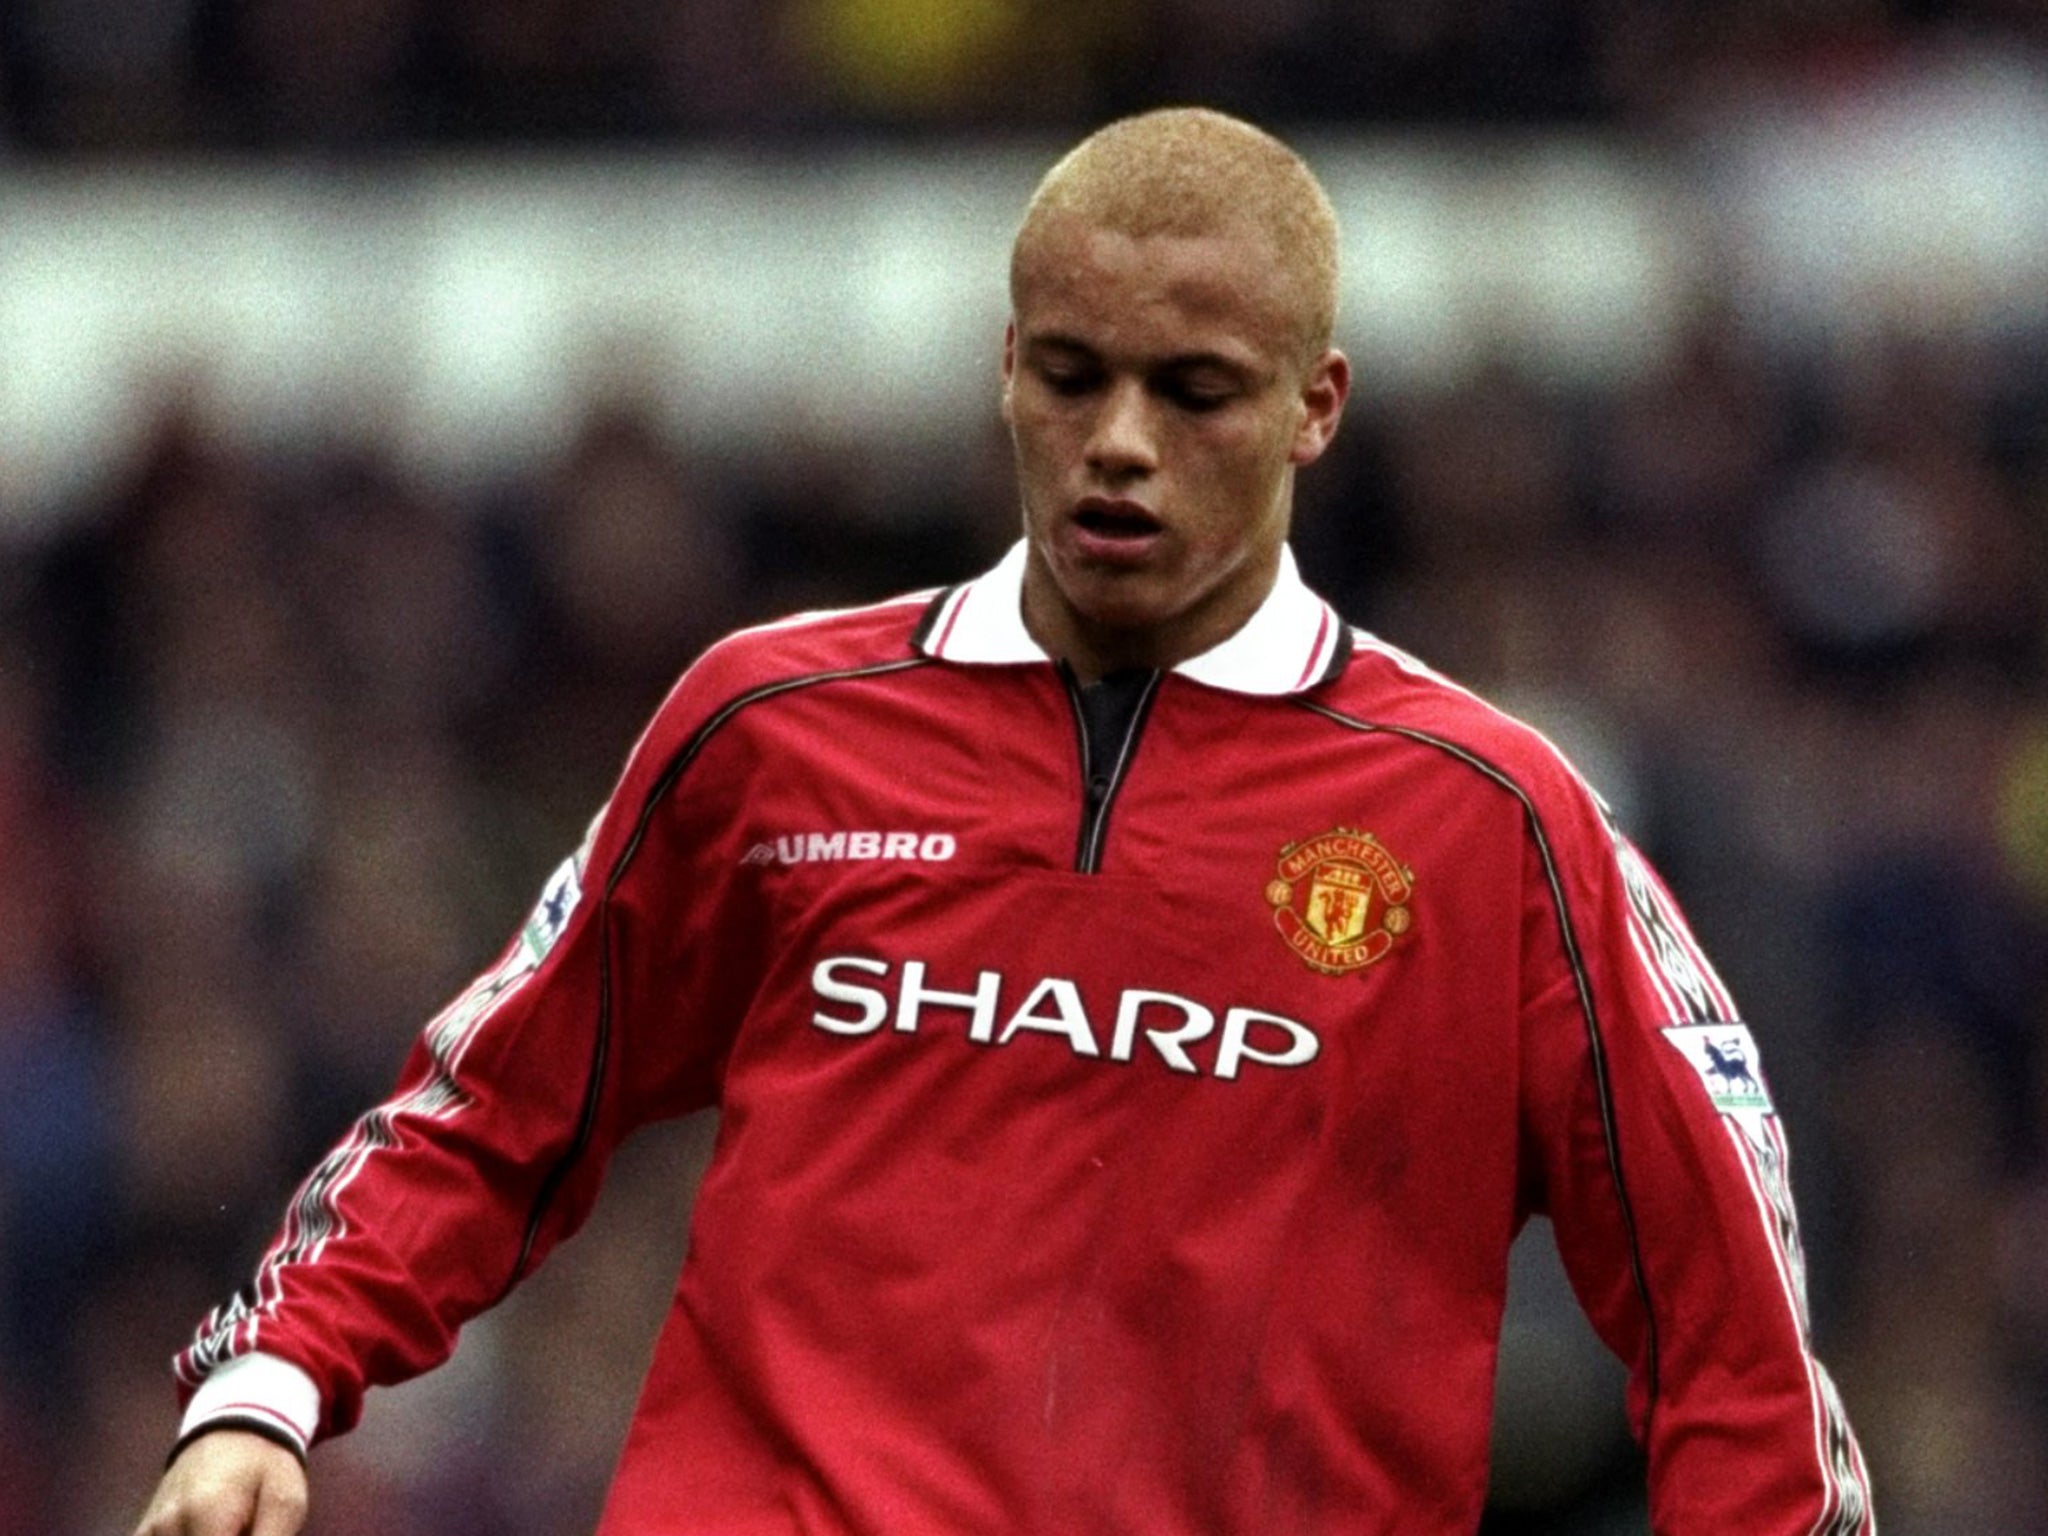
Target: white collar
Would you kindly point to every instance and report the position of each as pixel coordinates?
(1291, 643)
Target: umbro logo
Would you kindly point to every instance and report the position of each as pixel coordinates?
(837, 847)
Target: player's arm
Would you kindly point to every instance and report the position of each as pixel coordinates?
(1656, 1151)
(436, 1200)
(492, 1146)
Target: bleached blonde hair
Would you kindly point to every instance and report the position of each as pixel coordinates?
(1191, 171)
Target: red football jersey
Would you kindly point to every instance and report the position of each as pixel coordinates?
(1119, 1134)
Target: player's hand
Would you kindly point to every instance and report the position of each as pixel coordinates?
(229, 1483)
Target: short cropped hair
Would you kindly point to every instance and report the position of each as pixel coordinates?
(1191, 171)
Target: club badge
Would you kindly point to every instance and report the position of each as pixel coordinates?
(1341, 900)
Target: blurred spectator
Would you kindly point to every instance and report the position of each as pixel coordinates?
(1944, 1398)
(117, 75)
(378, 74)
(723, 67)
(287, 739)
(328, 74)
(1692, 445)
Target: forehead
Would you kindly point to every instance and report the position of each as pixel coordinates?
(1153, 293)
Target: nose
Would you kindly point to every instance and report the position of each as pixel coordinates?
(1122, 443)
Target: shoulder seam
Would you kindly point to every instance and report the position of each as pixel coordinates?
(719, 717)
(1367, 643)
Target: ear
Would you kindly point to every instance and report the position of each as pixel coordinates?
(1009, 370)
(1324, 389)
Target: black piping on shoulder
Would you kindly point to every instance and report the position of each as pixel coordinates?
(929, 621)
(600, 1046)
(1580, 977)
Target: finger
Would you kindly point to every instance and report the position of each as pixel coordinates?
(178, 1510)
(177, 1516)
(281, 1505)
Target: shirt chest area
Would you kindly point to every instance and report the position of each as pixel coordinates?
(1199, 883)
(999, 771)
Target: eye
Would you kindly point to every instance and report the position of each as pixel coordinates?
(1068, 379)
(1197, 395)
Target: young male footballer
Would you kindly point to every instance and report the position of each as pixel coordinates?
(1141, 1009)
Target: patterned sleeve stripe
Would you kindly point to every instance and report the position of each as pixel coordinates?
(1774, 1168)
(1850, 1512)
(1675, 1003)
(1674, 961)
(1690, 946)
(1761, 1149)
(1768, 1188)
(313, 1219)
(1680, 975)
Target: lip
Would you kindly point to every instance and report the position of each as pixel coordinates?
(1114, 530)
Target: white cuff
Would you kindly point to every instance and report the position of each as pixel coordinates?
(258, 1389)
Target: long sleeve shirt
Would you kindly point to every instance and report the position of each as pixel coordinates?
(1128, 1098)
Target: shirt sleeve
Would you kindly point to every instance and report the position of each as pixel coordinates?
(490, 1149)
(1661, 1160)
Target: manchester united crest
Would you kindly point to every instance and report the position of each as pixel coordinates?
(1341, 900)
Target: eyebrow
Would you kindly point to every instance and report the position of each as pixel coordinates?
(1054, 341)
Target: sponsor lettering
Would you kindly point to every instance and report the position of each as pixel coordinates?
(843, 847)
(868, 995)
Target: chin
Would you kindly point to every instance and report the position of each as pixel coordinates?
(1119, 605)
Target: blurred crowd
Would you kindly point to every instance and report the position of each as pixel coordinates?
(287, 742)
(289, 736)
(371, 75)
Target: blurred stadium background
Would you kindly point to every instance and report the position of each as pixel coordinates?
(394, 396)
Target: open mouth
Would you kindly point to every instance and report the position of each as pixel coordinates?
(1115, 520)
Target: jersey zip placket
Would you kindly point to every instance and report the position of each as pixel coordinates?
(1108, 716)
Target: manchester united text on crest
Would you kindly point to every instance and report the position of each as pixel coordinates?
(1341, 900)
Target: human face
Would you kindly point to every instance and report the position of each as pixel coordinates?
(1159, 403)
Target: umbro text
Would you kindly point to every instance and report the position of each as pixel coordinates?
(833, 847)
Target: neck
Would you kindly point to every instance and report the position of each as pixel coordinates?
(1094, 646)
